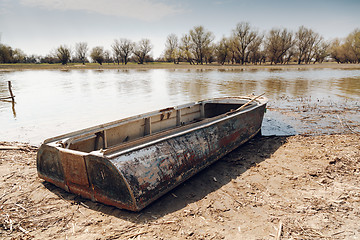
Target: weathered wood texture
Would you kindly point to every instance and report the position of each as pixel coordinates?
(131, 163)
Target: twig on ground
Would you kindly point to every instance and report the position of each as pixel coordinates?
(137, 234)
(11, 148)
(337, 233)
(23, 230)
(347, 126)
(83, 204)
(18, 205)
(278, 235)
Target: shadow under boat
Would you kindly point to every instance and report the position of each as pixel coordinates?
(132, 162)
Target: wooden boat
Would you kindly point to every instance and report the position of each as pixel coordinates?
(131, 162)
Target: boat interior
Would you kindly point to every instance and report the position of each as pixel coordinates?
(141, 128)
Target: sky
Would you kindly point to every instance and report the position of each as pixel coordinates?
(40, 26)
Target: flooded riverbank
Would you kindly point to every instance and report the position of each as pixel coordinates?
(181, 65)
(53, 102)
(300, 186)
(307, 116)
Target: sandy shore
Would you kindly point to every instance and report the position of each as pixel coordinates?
(299, 187)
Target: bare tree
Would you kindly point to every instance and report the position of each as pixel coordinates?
(222, 50)
(209, 51)
(5, 53)
(233, 50)
(18, 56)
(10, 55)
(348, 50)
(302, 43)
(306, 41)
(172, 48)
(185, 48)
(116, 51)
(107, 57)
(254, 51)
(278, 42)
(142, 50)
(353, 44)
(81, 49)
(337, 51)
(63, 53)
(126, 47)
(97, 54)
(243, 36)
(289, 55)
(201, 40)
(122, 50)
(321, 51)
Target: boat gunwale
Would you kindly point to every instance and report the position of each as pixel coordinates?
(88, 131)
(112, 152)
(112, 124)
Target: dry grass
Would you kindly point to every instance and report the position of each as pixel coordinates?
(299, 187)
(160, 65)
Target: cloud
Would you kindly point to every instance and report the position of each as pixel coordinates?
(222, 2)
(4, 7)
(148, 10)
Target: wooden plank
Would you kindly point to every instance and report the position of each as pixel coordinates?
(147, 129)
(202, 110)
(178, 117)
(105, 143)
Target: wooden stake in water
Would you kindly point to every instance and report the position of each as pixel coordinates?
(12, 98)
(11, 93)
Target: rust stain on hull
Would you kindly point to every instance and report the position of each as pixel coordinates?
(134, 176)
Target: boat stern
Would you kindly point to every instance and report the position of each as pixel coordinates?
(49, 166)
(85, 174)
(64, 168)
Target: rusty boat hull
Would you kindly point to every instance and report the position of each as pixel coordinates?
(131, 162)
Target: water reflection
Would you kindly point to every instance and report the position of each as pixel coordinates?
(12, 102)
(13, 108)
(54, 102)
(349, 87)
(193, 88)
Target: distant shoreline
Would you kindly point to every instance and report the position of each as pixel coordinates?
(160, 65)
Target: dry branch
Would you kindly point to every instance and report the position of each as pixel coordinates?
(278, 235)
(11, 148)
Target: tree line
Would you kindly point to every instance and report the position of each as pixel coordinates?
(122, 51)
(245, 45)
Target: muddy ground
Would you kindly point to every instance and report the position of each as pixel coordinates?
(298, 187)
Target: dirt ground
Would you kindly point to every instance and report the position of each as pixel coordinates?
(299, 187)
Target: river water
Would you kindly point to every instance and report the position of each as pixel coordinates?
(53, 102)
